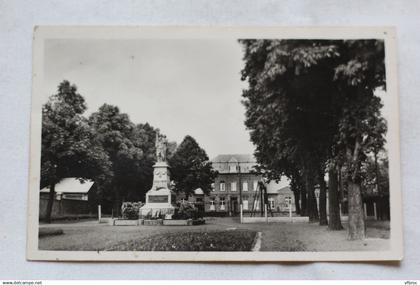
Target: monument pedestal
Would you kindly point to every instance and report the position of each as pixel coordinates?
(160, 200)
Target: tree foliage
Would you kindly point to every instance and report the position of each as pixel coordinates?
(191, 168)
(131, 150)
(374, 175)
(69, 146)
(311, 104)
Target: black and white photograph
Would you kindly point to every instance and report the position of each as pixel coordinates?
(214, 144)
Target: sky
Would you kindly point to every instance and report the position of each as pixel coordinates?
(183, 87)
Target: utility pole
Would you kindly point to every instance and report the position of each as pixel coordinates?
(240, 185)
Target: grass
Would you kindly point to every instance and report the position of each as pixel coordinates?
(280, 237)
(44, 232)
(238, 240)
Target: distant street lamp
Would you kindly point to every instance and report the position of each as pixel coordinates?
(240, 184)
(317, 196)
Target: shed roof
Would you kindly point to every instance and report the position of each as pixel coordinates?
(70, 185)
(282, 186)
(198, 191)
(244, 158)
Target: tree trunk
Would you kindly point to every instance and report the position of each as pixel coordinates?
(334, 222)
(297, 199)
(311, 205)
(303, 203)
(357, 228)
(376, 171)
(51, 197)
(322, 199)
(340, 184)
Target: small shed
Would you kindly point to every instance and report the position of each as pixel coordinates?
(70, 199)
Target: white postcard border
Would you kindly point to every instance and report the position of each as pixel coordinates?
(41, 33)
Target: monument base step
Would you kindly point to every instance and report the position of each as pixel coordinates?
(154, 212)
(188, 222)
(122, 222)
(157, 222)
(178, 222)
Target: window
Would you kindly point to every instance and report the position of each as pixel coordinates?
(222, 204)
(245, 186)
(232, 168)
(212, 206)
(222, 186)
(255, 186)
(245, 204)
(271, 203)
(212, 187)
(288, 200)
(233, 186)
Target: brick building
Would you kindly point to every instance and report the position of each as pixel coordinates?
(235, 177)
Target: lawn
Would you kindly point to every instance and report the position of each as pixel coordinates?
(217, 234)
(233, 240)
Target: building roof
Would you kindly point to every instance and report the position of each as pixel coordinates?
(278, 187)
(241, 158)
(70, 185)
(198, 191)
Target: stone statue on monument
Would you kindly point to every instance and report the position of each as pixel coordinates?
(160, 199)
(161, 146)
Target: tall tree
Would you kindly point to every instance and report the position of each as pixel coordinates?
(69, 147)
(143, 137)
(312, 102)
(297, 189)
(131, 151)
(191, 168)
(322, 197)
(287, 107)
(333, 199)
(360, 73)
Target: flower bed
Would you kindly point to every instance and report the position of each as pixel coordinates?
(236, 240)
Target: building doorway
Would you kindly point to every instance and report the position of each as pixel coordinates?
(234, 206)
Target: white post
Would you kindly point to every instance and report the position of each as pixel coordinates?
(265, 213)
(290, 210)
(374, 210)
(241, 214)
(99, 213)
(365, 209)
(317, 202)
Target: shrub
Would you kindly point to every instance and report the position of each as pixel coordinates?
(186, 211)
(130, 210)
